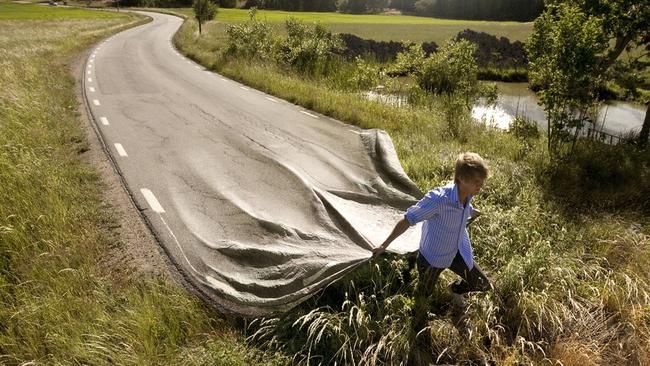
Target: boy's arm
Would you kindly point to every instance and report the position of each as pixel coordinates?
(399, 229)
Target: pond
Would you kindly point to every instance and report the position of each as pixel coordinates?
(614, 117)
(515, 99)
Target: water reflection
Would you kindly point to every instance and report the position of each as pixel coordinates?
(515, 99)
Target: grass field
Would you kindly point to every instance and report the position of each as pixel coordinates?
(384, 27)
(59, 306)
(11, 11)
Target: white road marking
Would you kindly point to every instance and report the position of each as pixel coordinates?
(272, 100)
(92, 90)
(198, 67)
(90, 66)
(223, 79)
(96, 102)
(120, 150)
(90, 80)
(357, 132)
(88, 72)
(151, 200)
(243, 87)
(104, 120)
(309, 114)
(92, 60)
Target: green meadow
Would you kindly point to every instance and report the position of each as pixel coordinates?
(382, 27)
(12, 11)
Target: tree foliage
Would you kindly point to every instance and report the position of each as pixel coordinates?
(572, 51)
(520, 10)
(293, 5)
(204, 11)
(564, 64)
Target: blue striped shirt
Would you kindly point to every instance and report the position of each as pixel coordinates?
(444, 231)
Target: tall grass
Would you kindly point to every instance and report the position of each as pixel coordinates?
(58, 305)
(571, 281)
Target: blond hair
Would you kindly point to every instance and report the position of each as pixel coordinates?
(470, 165)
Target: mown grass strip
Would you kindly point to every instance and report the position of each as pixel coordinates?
(9, 11)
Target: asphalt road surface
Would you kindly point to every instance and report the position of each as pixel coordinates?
(258, 202)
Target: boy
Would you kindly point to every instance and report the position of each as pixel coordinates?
(445, 242)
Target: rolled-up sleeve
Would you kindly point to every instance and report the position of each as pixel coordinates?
(425, 209)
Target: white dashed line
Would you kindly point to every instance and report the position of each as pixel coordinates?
(151, 200)
(120, 150)
(88, 72)
(92, 90)
(96, 102)
(90, 66)
(223, 79)
(309, 114)
(90, 80)
(272, 100)
(104, 120)
(357, 132)
(243, 87)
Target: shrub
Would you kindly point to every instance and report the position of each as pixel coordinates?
(309, 49)
(450, 70)
(252, 39)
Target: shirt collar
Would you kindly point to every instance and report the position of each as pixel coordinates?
(455, 194)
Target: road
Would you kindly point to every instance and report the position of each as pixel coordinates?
(258, 202)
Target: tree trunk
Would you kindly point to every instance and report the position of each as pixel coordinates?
(199, 27)
(645, 130)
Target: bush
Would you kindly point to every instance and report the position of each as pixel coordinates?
(450, 70)
(252, 39)
(309, 49)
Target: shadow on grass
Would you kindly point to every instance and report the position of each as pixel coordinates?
(600, 177)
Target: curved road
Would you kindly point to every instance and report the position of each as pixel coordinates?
(258, 202)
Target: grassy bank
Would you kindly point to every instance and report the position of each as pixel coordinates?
(567, 264)
(59, 306)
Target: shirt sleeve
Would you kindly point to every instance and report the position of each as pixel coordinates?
(425, 209)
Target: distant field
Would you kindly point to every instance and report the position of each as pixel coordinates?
(9, 11)
(384, 27)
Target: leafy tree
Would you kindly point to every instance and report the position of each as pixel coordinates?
(622, 24)
(204, 11)
(564, 63)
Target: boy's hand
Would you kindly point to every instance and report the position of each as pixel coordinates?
(377, 251)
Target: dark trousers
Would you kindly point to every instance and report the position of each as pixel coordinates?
(471, 280)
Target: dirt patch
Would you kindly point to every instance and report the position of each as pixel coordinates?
(135, 252)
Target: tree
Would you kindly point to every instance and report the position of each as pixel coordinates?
(626, 26)
(564, 63)
(204, 11)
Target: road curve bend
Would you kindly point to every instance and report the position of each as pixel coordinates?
(258, 202)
